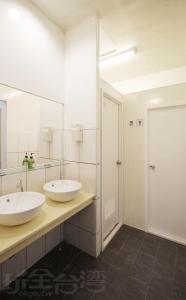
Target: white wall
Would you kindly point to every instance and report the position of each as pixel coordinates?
(81, 74)
(135, 106)
(31, 52)
(81, 99)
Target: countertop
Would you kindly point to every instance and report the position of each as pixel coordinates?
(13, 239)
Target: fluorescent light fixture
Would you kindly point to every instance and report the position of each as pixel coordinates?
(155, 101)
(117, 58)
(14, 14)
(108, 53)
(13, 94)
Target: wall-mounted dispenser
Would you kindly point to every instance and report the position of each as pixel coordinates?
(77, 133)
(48, 134)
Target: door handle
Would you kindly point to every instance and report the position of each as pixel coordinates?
(119, 163)
(153, 167)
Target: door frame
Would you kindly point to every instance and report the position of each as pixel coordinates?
(146, 165)
(119, 102)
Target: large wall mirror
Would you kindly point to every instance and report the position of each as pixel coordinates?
(29, 124)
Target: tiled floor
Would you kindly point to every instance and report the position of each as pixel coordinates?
(135, 266)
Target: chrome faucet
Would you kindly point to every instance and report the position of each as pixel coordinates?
(20, 186)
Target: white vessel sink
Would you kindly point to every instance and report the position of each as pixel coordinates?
(62, 190)
(19, 208)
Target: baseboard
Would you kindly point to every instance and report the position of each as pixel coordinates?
(167, 236)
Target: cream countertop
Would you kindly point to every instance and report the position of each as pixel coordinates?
(13, 239)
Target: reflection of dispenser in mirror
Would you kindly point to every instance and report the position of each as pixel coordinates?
(77, 133)
(48, 138)
(48, 134)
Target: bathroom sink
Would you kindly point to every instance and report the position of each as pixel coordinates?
(62, 190)
(19, 208)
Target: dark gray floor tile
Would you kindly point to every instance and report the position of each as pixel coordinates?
(161, 286)
(179, 292)
(168, 245)
(164, 271)
(115, 275)
(145, 259)
(112, 286)
(181, 250)
(6, 295)
(81, 294)
(113, 248)
(155, 295)
(181, 256)
(180, 275)
(139, 234)
(107, 295)
(134, 242)
(126, 257)
(87, 262)
(166, 257)
(134, 290)
(141, 273)
(134, 266)
(150, 245)
(124, 233)
(63, 258)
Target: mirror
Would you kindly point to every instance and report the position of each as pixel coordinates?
(31, 124)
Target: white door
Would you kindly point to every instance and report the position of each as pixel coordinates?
(167, 172)
(110, 156)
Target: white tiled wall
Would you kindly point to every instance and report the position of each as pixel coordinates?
(9, 183)
(81, 108)
(88, 147)
(83, 230)
(81, 152)
(88, 177)
(98, 181)
(71, 148)
(57, 144)
(90, 243)
(85, 173)
(32, 180)
(53, 173)
(12, 160)
(12, 142)
(71, 171)
(36, 180)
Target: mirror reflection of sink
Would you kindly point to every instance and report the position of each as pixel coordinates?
(19, 208)
(62, 190)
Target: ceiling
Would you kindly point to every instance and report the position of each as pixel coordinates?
(157, 28)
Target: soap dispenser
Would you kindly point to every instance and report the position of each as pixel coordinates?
(25, 160)
(31, 162)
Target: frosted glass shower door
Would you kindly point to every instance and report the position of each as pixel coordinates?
(3, 134)
(110, 171)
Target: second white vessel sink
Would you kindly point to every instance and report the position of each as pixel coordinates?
(19, 208)
(62, 190)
